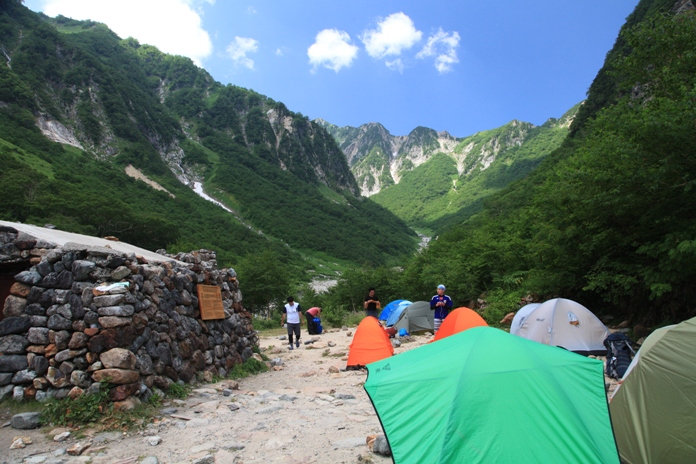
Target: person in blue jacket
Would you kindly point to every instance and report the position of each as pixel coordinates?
(441, 304)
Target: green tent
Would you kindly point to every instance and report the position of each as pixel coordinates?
(484, 395)
(654, 409)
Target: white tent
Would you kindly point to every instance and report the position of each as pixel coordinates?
(565, 323)
(520, 317)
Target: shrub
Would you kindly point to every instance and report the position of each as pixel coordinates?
(84, 409)
(177, 390)
(250, 367)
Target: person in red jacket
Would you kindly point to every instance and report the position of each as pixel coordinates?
(310, 314)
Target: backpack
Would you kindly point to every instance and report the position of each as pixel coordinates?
(619, 354)
(317, 326)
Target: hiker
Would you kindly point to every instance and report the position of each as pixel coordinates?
(441, 304)
(372, 303)
(292, 312)
(310, 314)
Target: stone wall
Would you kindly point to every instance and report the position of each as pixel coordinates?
(60, 335)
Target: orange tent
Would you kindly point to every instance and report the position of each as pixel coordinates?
(370, 343)
(458, 321)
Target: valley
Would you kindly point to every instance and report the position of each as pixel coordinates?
(105, 135)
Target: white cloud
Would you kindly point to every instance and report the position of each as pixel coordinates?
(332, 49)
(238, 50)
(393, 35)
(279, 52)
(395, 65)
(251, 10)
(173, 26)
(443, 46)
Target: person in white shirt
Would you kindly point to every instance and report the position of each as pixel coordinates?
(292, 313)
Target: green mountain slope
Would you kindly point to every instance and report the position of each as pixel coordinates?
(432, 180)
(609, 218)
(113, 103)
(447, 190)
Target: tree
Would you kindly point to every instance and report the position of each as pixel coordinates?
(264, 280)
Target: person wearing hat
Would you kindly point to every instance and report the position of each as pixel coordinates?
(293, 313)
(441, 304)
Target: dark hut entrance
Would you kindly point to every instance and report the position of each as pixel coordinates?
(7, 273)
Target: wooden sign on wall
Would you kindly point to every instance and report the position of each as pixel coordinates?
(210, 302)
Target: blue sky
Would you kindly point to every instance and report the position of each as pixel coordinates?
(460, 66)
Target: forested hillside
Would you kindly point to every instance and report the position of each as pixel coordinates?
(113, 103)
(609, 218)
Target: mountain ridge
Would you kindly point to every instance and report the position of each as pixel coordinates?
(395, 172)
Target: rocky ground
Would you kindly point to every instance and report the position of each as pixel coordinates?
(306, 411)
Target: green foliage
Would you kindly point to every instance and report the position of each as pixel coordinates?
(84, 409)
(266, 279)
(176, 390)
(266, 323)
(250, 367)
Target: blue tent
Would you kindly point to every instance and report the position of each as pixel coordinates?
(396, 314)
(386, 312)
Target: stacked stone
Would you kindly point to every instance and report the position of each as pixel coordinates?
(60, 335)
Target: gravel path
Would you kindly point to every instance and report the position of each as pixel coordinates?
(307, 411)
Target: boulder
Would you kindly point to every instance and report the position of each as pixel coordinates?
(14, 306)
(57, 378)
(82, 269)
(118, 358)
(116, 376)
(13, 363)
(13, 344)
(109, 322)
(23, 376)
(40, 365)
(381, 446)
(20, 290)
(120, 311)
(120, 273)
(14, 325)
(58, 322)
(78, 340)
(38, 335)
(80, 378)
(109, 300)
(122, 392)
(26, 420)
(30, 277)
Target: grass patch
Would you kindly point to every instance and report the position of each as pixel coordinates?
(250, 367)
(179, 391)
(9, 407)
(85, 409)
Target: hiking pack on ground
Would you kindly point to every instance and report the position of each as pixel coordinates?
(619, 353)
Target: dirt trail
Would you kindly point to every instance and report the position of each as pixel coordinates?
(300, 414)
